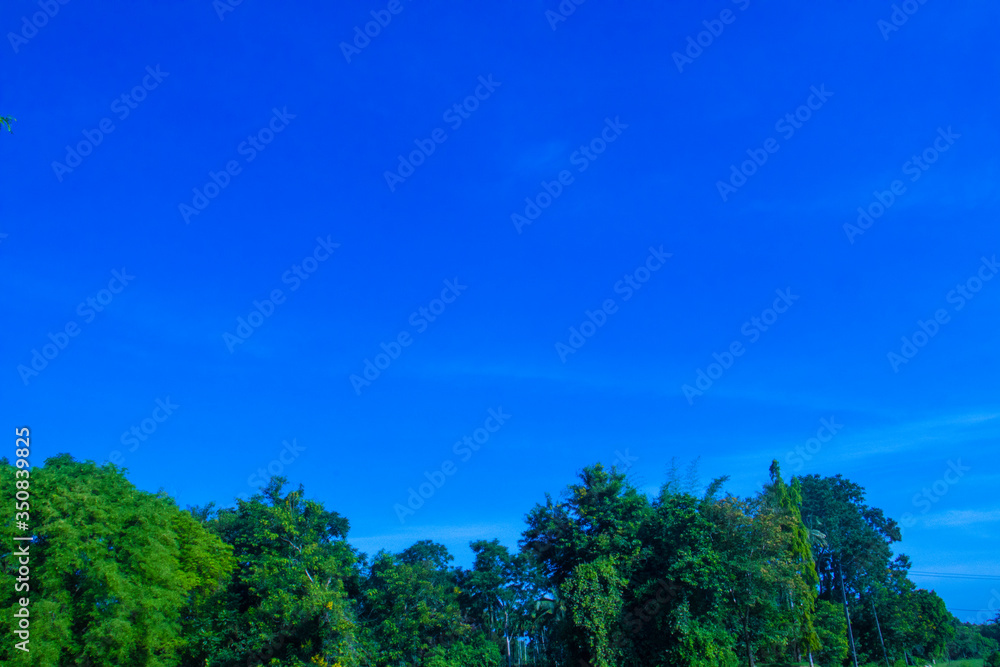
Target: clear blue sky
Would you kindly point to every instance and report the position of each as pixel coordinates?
(641, 139)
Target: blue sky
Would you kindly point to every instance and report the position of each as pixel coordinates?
(622, 146)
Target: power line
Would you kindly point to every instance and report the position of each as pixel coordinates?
(954, 575)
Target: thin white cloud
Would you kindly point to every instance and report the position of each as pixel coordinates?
(955, 518)
(851, 444)
(915, 435)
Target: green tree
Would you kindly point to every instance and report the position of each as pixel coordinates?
(411, 612)
(969, 642)
(600, 517)
(675, 601)
(991, 629)
(856, 544)
(115, 571)
(594, 530)
(831, 630)
(288, 597)
(752, 544)
(932, 627)
(800, 578)
(499, 593)
(593, 594)
(5, 121)
(605, 577)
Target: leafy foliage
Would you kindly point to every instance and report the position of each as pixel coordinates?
(606, 576)
(114, 570)
(831, 630)
(288, 597)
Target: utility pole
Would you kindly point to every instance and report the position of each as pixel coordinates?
(847, 615)
(879, 628)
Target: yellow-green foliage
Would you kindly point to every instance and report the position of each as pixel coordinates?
(112, 568)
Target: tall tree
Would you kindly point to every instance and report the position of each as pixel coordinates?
(801, 579)
(759, 571)
(831, 631)
(857, 539)
(587, 546)
(933, 629)
(676, 600)
(882, 612)
(411, 612)
(600, 517)
(288, 597)
(114, 570)
(499, 593)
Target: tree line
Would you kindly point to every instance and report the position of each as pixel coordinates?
(603, 576)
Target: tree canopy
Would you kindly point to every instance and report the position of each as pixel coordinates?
(604, 575)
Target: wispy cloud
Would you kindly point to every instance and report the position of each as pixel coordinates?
(894, 438)
(955, 518)
(952, 429)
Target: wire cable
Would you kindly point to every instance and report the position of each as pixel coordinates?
(954, 575)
